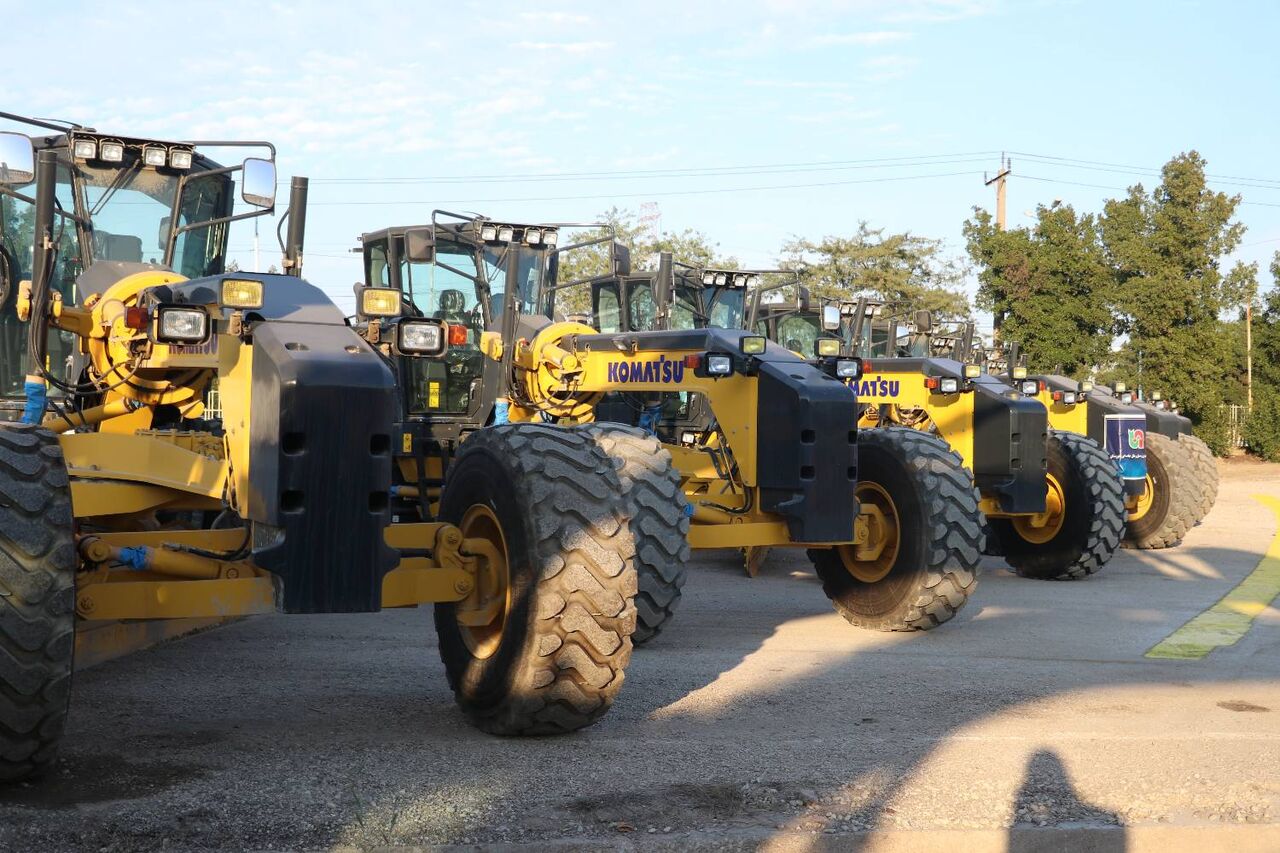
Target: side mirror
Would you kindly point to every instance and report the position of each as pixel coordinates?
(162, 236)
(830, 318)
(17, 159)
(420, 246)
(621, 259)
(804, 300)
(258, 182)
(923, 321)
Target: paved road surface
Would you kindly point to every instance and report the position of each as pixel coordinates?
(759, 719)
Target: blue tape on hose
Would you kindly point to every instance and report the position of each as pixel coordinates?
(501, 412)
(649, 419)
(37, 395)
(134, 558)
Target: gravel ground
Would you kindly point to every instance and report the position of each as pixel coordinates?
(759, 719)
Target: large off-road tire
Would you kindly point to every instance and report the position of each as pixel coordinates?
(659, 520)
(1169, 509)
(552, 660)
(37, 599)
(1083, 537)
(1204, 473)
(931, 569)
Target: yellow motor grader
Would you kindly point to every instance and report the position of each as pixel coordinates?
(123, 498)
(888, 518)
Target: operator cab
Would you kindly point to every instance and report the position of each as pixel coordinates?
(122, 204)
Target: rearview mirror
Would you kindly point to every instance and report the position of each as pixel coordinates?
(803, 299)
(621, 259)
(420, 246)
(923, 322)
(258, 182)
(17, 159)
(830, 318)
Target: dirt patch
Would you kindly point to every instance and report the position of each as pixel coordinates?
(1240, 705)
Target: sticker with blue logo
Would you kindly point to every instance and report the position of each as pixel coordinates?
(1126, 443)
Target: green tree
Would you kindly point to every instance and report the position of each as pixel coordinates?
(689, 246)
(903, 269)
(1048, 287)
(1166, 248)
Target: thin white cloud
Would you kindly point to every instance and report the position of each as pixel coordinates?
(555, 17)
(879, 69)
(570, 47)
(867, 38)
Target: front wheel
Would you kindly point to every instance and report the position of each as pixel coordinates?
(1084, 515)
(541, 644)
(1167, 509)
(1204, 473)
(659, 520)
(37, 599)
(920, 563)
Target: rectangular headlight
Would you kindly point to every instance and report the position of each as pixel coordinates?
(1086, 386)
(421, 337)
(972, 371)
(180, 158)
(85, 149)
(826, 347)
(111, 152)
(752, 344)
(506, 234)
(1030, 387)
(241, 293)
(488, 233)
(1121, 387)
(708, 278)
(181, 325)
(550, 237)
(719, 365)
(948, 385)
(154, 155)
(1126, 398)
(849, 368)
(533, 236)
(380, 302)
(1019, 373)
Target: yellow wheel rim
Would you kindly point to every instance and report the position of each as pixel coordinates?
(1042, 527)
(873, 560)
(490, 601)
(1145, 500)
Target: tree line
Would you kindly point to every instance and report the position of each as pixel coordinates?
(1140, 291)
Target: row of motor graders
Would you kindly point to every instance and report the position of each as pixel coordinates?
(441, 446)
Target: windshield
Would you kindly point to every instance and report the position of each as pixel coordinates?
(130, 208)
(699, 307)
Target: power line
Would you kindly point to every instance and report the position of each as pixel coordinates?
(677, 172)
(650, 194)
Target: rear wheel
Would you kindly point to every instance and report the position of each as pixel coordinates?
(659, 520)
(1083, 519)
(1204, 473)
(1167, 510)
(920, 564)
(37, 599)
(540, 645)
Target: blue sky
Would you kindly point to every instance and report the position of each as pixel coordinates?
(525, 93)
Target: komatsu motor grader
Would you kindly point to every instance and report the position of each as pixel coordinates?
(1163, 487)
(890, 521)
(123, 498)
(1053, 500)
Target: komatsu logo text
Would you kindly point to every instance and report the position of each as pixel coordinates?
(664, 370)
(875, 387)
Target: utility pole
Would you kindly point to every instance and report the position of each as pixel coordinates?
(1006, 166)
(1248, 353)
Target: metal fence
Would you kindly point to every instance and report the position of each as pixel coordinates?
(1235, 416)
